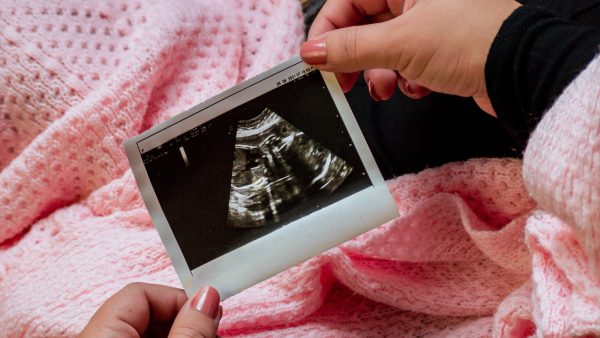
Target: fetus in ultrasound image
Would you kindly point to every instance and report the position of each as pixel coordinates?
(276, 166)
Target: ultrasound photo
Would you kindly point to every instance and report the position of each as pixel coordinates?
(252, 170)
(276, 166)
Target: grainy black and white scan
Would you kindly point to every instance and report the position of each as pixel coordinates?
(276, 166)
(254, 169)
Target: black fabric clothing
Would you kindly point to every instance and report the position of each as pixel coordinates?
(407, 136)
(580, 11)
(535, 55)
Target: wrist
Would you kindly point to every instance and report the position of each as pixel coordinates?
(503, 10)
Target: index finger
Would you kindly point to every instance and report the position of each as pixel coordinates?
(345, 13)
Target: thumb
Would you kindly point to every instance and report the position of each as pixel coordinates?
(199, 317)
(356, 48)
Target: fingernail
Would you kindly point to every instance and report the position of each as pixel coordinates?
(314, 52)
(206, 301)
(412, 90)
(418, 91)
(372, 91)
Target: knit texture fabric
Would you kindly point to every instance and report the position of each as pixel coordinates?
(488, 247)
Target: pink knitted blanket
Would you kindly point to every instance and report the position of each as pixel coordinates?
(489, 247)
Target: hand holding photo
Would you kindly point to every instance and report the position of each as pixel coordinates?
(258, 179)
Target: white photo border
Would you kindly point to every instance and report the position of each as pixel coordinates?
(289, 245)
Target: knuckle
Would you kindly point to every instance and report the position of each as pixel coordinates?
(350, 46)
(132, 287)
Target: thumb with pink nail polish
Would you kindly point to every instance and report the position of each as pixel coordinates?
(199, 317)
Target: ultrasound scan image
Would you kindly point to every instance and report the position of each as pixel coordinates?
(276, 166)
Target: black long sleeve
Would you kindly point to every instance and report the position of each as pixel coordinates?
(535, 55)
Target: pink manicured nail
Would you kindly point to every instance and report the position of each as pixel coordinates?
(412, 90)
(418, 91)
(372, 91)
(314, 52)
(207, 301)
